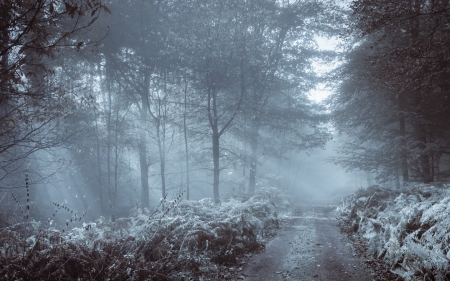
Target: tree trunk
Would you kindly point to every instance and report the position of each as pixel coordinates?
(99, 168)
(4, 41)
(423, 156)
(116, 161)
(437, 168)
(145, 194)
(420, 132)
(213, 117)
(162, 157)
(404, 153)
(216, 156)
(213, 121)
(186, 140)
(253, 159)
(144, 170)
(108, 131)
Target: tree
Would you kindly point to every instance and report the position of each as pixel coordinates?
(33, 34)
(278, 56)
(135, 55)
(215, 34)
(367, 112)
(402, 64)
(237, 53)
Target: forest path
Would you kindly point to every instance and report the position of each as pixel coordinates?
(309, 246)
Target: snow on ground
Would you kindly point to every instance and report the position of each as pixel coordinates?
(408, 228)
(190, 239)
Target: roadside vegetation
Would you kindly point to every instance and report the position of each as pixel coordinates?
(408, 229)
(185, 239)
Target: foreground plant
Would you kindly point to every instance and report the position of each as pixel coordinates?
(187, 239)
(408, 229)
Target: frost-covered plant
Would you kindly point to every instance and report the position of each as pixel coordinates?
(184, 238)
(408, 228)
(275, 196)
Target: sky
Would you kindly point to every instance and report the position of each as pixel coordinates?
(322, 91)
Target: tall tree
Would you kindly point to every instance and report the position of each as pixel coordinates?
(137, 52)
(33, 35)
(215, 32)
(280, 51)
(405, 62)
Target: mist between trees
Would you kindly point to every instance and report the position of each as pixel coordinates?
(393, 98)
(110, 101)
(125, 102)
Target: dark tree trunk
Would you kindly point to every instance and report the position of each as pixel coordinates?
(403, 148)
(216, 156)
(253, 159)
(423, 156)
(437, 169)
(108, 141)
(4, 41)
(420, 132)
(116, 161)
(144, 170)
(186, 140)
(404, 154)
(162, 155)
(145, 194)
(214, 124)
(213, 116)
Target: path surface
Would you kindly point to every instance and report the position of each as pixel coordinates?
(309, 246)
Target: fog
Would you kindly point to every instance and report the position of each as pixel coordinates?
(133, 104)
(162, 139)
(306, 176)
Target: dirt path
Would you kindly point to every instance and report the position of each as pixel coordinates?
(309, 246)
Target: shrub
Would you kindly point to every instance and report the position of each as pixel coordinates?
(409, 229)
(188, 238)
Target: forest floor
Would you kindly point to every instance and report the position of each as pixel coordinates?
(308, 246)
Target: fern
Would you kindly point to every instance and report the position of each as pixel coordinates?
(409, 229)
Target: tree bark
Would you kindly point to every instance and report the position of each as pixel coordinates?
(423, 154)
(216, 156)
(254, 138)
(145, 194)
(437, 169)
(116, 160)
(99, 168)
(144, 170)
(4, 41)
(404, 153)
(160, 127)
(108, 132)
(186, 139)
(213, 120)
(419, 129)
(162, 155)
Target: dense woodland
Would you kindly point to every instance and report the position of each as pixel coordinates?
(157, 94)
(393, 99)
(130, 106)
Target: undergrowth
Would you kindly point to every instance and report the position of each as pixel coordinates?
(187, 239)
(409, 228)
